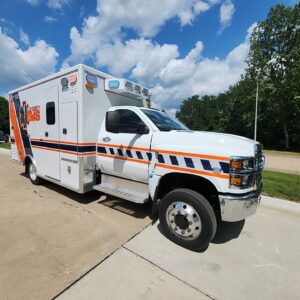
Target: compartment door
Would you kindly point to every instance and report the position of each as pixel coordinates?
(47, 152)
(69, 165)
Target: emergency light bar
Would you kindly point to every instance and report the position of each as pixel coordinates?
(126, 88)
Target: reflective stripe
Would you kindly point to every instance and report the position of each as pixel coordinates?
(64, 151)
(224, 158)
(124, 158)
(186, 170)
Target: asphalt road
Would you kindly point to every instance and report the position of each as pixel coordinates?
(54, 242)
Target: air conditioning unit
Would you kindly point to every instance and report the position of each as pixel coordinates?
(126, 88)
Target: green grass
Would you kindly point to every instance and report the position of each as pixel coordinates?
(282, 185)
(5, 145)
(275, 152)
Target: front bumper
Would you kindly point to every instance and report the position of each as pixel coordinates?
(238, 207)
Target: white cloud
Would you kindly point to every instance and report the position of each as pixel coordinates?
(197, 75)
(33, 2)
(102, 39)
(24, 38)
(226, 13)
(23, 66)
(144, 58)
(53, 4)
(50, 19)
(57, 4)
(103, 32)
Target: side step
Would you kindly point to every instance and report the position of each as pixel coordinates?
(126, 189)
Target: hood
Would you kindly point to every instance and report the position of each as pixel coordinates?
(204, 142)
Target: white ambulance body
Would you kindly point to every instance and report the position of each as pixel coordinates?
(85, 130)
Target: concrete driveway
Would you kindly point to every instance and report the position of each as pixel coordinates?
(256, 259)
(50, 236)
(56, 243)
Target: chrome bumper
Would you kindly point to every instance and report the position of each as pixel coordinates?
(238, 207)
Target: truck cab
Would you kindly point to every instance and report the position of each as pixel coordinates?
(84, 129)
(184, 172)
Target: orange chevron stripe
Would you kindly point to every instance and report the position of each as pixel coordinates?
(16, 129)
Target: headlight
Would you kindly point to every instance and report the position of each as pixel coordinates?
(242, 181)
(241, 164)
(241, 172)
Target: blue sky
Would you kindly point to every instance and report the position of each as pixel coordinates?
(176, 47)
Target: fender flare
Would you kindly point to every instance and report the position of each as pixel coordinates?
(28, 158)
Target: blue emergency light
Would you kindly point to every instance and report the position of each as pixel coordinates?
(113, 84)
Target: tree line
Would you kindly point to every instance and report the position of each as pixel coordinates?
(273, 61)
(4, 119)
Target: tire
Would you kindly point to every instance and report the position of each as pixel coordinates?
(32, 173)
(187, 219)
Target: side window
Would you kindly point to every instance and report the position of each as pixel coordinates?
(50, 113)
(125, 121)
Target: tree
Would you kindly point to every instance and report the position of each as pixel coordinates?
(4, 117)
(275, 55)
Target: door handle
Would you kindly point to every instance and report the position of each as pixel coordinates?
(106, 139)
(64, 131)
(46, 134)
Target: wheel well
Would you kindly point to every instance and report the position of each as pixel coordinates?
(199, 184)
(26, 163)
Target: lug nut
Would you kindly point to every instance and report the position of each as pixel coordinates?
(189, 230)
(182, 232)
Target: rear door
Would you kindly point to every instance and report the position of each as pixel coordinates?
(48, 157)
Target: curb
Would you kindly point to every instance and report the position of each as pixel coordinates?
(280, 204)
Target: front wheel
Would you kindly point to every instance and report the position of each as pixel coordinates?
(187, 219)
(33, 174)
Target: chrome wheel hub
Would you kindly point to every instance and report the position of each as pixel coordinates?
(183, 220)
(32, 172)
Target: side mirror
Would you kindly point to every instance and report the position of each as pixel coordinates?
(142, 128)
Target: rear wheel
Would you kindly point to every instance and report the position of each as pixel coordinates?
(188, 219)
(32, 173)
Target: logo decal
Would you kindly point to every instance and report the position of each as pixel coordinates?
(28, 114)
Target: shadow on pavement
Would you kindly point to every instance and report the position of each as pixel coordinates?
(227, 231)
(135, 210)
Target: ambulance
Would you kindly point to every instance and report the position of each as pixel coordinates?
(86, 130)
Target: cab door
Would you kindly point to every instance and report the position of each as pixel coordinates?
(124, 145)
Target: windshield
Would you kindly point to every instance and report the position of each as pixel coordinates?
(162, 121)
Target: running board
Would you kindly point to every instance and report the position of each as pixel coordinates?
(123, 188)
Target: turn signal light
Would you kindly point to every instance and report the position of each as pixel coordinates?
(237, 181)
(236, 164)
(89, 86)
